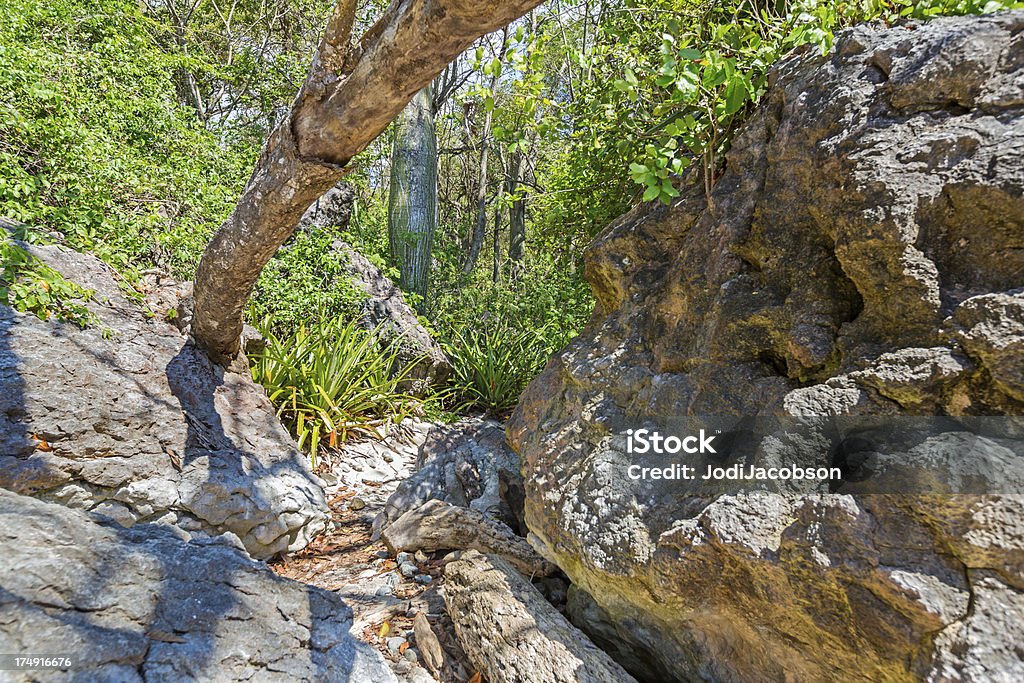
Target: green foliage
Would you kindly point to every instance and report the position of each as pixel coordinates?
(94, 143)
(713, 64)
(30, 286)
(492, 366)
(331, 379)
(305, 283)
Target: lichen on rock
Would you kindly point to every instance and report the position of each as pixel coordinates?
(862, 254)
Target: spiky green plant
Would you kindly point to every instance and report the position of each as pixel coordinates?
(332, 379)
(491, 367)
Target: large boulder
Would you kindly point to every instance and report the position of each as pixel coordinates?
(142, 604)
(128, 419)
(862, 255)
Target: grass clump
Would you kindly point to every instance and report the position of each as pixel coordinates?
(492, 366)
(331, 379)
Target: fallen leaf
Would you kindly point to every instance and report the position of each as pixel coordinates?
(403, 647)
(477, 678)
(43, 445)
(385, 629)
(175, 460)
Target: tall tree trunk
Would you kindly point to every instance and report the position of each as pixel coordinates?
(350, 95)
(476, 242)
(412, 202)
(499, 210)
(516, 215)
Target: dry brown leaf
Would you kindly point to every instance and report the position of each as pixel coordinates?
(477, 678)
(43, 445)
(175, 459)
(403, 647)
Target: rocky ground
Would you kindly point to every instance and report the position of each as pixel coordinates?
(384, 591)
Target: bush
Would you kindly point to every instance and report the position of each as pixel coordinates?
(330, 380)
(491, 367)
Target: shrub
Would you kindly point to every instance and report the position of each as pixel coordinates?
(491, 367)
(330, 380)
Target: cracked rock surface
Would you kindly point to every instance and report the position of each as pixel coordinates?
(862, 254)
(142, 604)
(128, 419)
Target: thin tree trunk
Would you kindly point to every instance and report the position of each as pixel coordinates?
(350, 95)
(499, 206)
(516, 216)
(476, 242)
(412, 202)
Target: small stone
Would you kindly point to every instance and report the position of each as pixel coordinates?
(424, 579)
(395, 644)
(411, 656)
(402, 558)
(382, 554)
(408, 569)
(403, 667)
(421, 556)
(451, 557)
(357, 504)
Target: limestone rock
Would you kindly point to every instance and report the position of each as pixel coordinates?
(467, 464)
(129, 417)
(332, 210)
(385, 308)
(140, 604)
(861, 255)
(512, 634)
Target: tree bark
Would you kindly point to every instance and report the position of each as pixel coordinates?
(351, 94)
(516, 215)
(412, 199)
(476, 241)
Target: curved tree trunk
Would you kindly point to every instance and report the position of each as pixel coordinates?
(412, 201)
(350, 95)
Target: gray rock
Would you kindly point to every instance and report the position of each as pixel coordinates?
(139, 422)
(385, 308)
(408, 569)
(141, 604)
(395, 644)
(424, 579)
(332, 210)
(859, 256)
(466, 464)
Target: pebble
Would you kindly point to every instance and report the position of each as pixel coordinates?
(425, 579)
(421, 556)
(408, 569)
(356, 504)
(403, 667)
(402, 558)
(395, 644)
(411, 656)
(451, 557)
